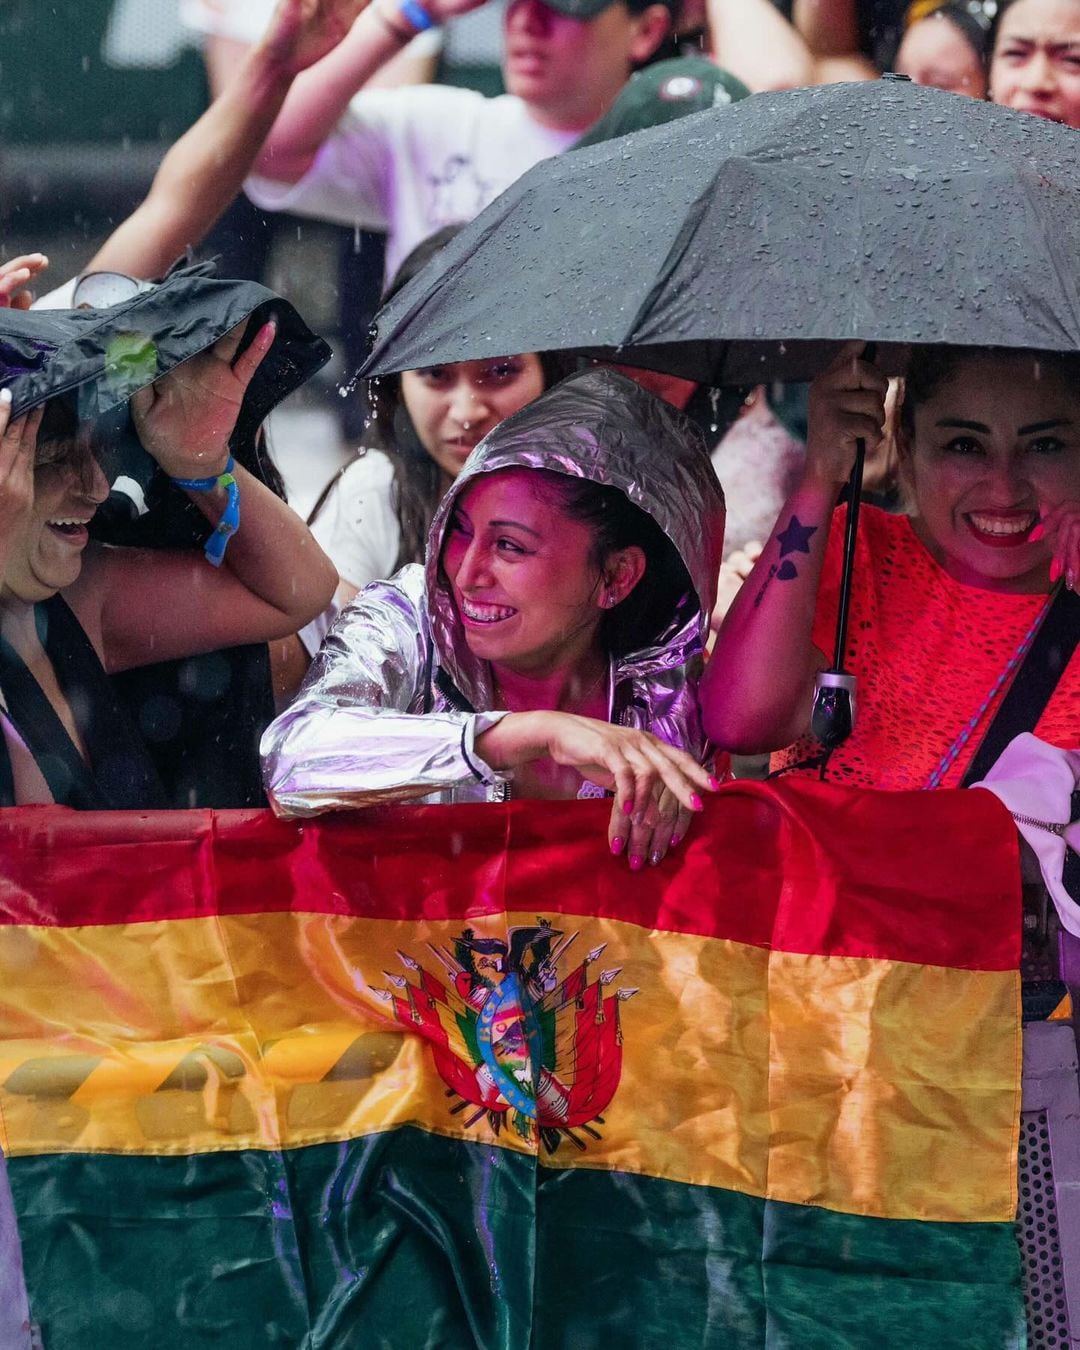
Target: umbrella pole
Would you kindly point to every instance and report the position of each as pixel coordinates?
(833, 716)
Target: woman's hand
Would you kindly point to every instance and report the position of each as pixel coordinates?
(1060, 527)
(186, 418)
(18, 440)
(17, 273)
(847, 404)
(657, 787)
(647, 836)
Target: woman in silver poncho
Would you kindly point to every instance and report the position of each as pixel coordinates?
(550, 645)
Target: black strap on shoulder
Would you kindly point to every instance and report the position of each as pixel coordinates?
(121, 776)
(1033, 684)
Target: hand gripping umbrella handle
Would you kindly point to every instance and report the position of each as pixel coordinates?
(833, 715)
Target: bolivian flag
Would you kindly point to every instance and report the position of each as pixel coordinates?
(452, 1077)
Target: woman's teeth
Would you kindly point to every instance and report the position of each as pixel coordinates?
(485, 613)
(1002, 525)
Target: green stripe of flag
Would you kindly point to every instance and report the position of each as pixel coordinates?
(406, 1239)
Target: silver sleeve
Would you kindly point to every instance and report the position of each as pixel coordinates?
(357, 734)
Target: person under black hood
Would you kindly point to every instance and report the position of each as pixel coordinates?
(551, 642)
(73, 612)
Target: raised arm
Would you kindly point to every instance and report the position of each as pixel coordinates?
(753, 40)
(758, 685)
(320, 96)
(206, 167)
(146, 606)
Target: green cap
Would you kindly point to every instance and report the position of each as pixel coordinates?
(664, 91)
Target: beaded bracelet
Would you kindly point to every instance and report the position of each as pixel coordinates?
(230, 517)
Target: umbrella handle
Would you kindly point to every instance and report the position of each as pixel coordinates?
(851, 530)
(833, 715)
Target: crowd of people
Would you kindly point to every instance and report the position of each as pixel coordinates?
(513, 588)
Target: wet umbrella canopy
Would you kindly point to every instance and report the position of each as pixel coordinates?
(729, 245)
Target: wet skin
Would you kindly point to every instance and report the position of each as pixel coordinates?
(453, 407)
(935, 52)
(522, 576)
(47, 551)
(996, 452)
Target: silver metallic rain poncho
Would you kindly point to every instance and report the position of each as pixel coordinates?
(395, 700)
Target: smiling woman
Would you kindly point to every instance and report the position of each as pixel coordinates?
(947, 600)
(73, 612)
(549, 646)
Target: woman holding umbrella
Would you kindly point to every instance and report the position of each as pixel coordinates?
(948, 600)
(548, 647)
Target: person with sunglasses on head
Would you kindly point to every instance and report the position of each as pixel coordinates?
(73, 612)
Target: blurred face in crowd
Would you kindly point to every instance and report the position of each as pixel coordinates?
(935, 52)
(46, 553)
(453, 407)
(1036, 62)
(570, 70)
(996, 444)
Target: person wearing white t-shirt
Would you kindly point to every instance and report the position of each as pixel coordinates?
(411, 161)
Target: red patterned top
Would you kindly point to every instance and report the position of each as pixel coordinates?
(927, 650)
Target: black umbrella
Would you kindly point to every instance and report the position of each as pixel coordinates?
(742, 244)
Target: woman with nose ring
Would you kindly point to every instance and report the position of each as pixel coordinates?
(375, 515)
(72, 612)
(947, 599)
(551, 642)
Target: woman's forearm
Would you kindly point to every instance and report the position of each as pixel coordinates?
(319, 96)
(757, 687)
(273, 554)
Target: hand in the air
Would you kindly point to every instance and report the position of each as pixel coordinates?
(186, 418)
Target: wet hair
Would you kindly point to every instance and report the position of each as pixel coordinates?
(417, 488)
(932, 365)
(664, 590)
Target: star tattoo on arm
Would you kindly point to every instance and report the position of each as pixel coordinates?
(794, 538)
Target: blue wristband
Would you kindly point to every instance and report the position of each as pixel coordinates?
(415, 13)
(230, 517)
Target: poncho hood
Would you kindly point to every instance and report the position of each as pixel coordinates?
(601, 426)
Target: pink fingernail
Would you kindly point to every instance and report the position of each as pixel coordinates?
(714, 783)
(636, 863)
(617, 846)
(1055, 570)
(628, 808)
(1037, 533)
(696, 804)
(675, 838)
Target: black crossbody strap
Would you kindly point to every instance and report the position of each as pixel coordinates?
(1033, 684)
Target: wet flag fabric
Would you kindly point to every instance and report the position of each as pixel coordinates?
(447, 1076)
